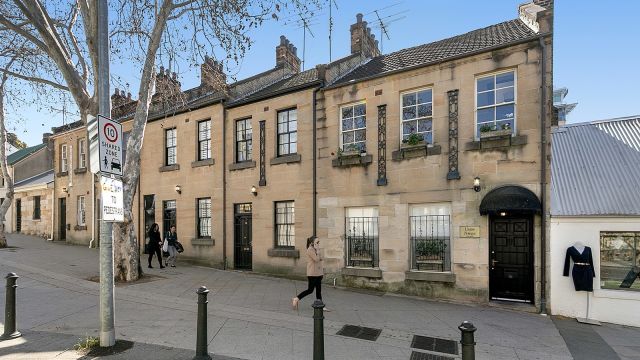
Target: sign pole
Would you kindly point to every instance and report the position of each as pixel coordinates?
(107, 316)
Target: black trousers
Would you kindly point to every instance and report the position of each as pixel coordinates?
(155, 250)
(314, 282)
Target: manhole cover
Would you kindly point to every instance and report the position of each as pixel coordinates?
(424, 356)
(360, 332)
(434, 344)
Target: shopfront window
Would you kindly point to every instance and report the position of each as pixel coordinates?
(620, 260)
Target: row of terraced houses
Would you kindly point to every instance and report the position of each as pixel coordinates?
(424, 171)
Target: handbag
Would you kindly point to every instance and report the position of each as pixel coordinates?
(179, 247)
(165, 245)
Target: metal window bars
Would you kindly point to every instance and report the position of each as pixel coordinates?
(361, 235)
(430, 242)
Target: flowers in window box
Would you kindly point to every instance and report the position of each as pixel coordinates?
(414, 139)
(489, 131)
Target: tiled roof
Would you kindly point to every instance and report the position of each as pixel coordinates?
(594, 168)
(67, 127)
(23, 153)
(293, 82)
(482, 39)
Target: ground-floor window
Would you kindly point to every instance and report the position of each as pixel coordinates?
(620, 260)
(204, 218)
(361, 237)
(429, 237)
(285, 224)
(81, 211)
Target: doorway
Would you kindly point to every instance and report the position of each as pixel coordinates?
(62, 225)
(511, 258)
(242, 236)
(18, 215)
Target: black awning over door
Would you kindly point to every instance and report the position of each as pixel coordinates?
(510, 199)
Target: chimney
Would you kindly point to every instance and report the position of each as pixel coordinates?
(167, 84)
(212, 74)
(537, 15)
(46, 137)
(287, 55)
(118, 98)
(362, 41)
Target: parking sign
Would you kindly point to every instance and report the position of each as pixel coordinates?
(110, 145)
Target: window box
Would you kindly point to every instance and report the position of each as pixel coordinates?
(430, 276)
(362, 272)
(284, 252)
(409, 152)
(80, 171)
(495, 133)
(419, 144)
(166, 168)
(242, 165)
(347, 159)
(496, 143)
(286, 159)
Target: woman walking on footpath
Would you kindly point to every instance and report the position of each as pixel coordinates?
(314, 272)
(155, 243)
(172, 239)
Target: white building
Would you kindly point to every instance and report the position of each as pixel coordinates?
(595, 199)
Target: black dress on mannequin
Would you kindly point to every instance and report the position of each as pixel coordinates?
(583, 271)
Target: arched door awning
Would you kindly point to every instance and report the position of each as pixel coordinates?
(510, 199)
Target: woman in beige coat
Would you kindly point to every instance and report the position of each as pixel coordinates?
(314, 271)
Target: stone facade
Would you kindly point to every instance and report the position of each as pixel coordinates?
(29, 223)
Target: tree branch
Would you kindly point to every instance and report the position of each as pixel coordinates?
(34, 79)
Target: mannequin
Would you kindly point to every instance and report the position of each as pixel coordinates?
(583, 272)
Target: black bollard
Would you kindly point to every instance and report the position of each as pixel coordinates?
(202, 353)
(10, 331)
(468, 343)
(318, 330)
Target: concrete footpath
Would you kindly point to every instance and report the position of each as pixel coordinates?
(250, 316)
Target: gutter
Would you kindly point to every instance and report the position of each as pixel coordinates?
(224, 186)
(440, 61)
(543, 175)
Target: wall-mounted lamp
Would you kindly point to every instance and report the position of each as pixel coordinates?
(178, 189)
(254, 191)
(64, 189)
(476, 184)
(503, 214)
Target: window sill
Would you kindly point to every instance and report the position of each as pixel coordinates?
(80, 227)
(496, 142)
(347, 160)
(203, 242)
(416, 151)
(62, 173)
(199, 163)
(362, 272)
(430, 276)
(242, 165)
(284, 252)
(80, 170)
(166, 168)
(286, 159)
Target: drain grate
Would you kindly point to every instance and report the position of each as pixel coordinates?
(424, 356)
(434, 344)
(360, 332)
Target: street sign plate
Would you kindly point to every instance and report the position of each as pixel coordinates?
(112, 199)
(110, 146)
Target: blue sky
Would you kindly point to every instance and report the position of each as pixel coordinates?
(596, 48)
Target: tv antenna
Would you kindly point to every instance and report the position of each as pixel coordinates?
(331, 3)
(305, 24)
(383, 22)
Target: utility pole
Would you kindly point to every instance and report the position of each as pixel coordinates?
(107, 318)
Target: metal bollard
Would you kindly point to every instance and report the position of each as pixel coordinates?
(318, 330)
(468, 343)
(202, 353)
(10, 331)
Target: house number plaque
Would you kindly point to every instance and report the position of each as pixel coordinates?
(470, 231)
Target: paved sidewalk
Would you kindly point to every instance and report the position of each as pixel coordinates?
(249, 315)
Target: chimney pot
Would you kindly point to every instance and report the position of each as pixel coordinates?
(161, 70)
(282, 39)
(174, 76)
(128, 96)
(359, 17)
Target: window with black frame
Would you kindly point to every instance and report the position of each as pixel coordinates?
(204, 218)
(361, 237)
(287, 132)
(36, 208)
(285, 224)
(243, 140)
(204, 140)
(620, 260)
(171, 145)
(429, 237)
(168, 215)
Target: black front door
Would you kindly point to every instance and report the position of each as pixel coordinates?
(18, 215)
(242, 236)
(511, 258)
(63, 218)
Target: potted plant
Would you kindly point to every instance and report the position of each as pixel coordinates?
(489, 131)
(414, 140)
(430, 251)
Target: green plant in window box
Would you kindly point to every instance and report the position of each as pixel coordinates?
(414, 139)
(489, 131)
(351, 149)
(430, 250)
